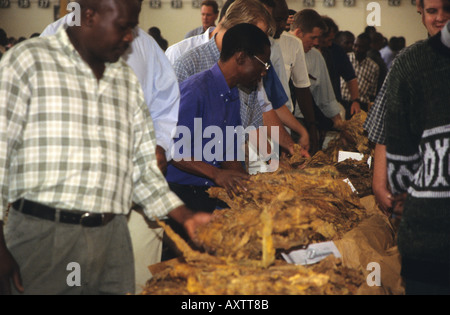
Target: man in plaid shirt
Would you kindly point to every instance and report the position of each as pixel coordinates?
(77, 149)
(367, 72)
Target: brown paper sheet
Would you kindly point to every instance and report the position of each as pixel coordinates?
(373, 240)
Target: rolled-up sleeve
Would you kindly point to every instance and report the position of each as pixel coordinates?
(151, 190)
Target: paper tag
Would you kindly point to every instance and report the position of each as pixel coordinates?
(313, 254)
(344, 155)
(350, 184)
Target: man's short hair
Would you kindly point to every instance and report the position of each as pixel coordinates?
(246, 38)
(342, 35)
(365, 37)
(248, 11)
(213, 4)
(269, 3)
(331, 25)
(306, 20)
(224, 9)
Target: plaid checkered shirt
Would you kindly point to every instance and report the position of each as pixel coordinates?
(71, 141)
(375, 122)
(367, 72)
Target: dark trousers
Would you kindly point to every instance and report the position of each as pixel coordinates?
(195, 198)
(425, 278)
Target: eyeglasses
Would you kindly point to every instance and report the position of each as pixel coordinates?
(265, 64)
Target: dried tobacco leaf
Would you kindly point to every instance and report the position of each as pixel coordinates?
(283, 279)
(202, 274)
(304, 208)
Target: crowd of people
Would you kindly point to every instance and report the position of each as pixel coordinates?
(7, 42)
(95, 121)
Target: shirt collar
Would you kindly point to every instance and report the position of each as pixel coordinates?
(213, 48)
(221, 84)
(208, 32)
(68, 48)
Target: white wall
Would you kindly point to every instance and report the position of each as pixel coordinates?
(395, 21)
(174, 23)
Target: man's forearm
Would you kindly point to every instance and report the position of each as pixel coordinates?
(271, 119)
(353, 89)
(289, 120)
(305, 103)
(198, 168)
(233, 165)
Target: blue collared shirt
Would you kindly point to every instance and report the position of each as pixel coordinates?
(274, 89)
(202, 58)
(207, 105)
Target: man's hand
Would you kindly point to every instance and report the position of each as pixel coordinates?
(398, 204)
(231, 180)
(192, 223)
(190, 220)
(161, 159)
(304, 141)
(314, 139)
(383, 198)
(355, 108)
(9, 269)
(303, 152)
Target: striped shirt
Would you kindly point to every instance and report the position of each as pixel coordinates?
(71, 141)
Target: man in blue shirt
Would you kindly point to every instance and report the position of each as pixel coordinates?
(210, 101)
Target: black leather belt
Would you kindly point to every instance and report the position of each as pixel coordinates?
(86, 219)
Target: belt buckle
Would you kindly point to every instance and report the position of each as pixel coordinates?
(90, 220)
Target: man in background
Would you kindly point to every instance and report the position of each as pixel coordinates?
(367, 72)
(308, 26)
(209, 13)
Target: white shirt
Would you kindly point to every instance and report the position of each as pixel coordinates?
(294, 60)
(176, 50)
(276, 57)
(321, 88)
(157, 78)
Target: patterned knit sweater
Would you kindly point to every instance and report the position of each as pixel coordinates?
(418, 153)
